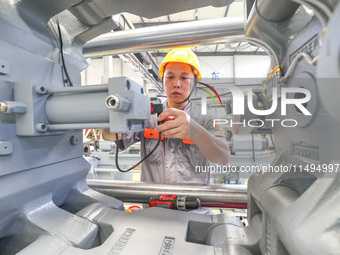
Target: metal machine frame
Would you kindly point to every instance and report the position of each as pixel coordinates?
(46, 205)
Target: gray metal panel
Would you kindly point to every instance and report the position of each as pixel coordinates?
(289, 203)
(44, 176)
(132, 121)
(175, 233)
(147, 8)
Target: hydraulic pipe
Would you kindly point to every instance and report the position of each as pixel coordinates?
(276, 10)
(82, 89)
(141, 192)
(77, 108)
(186, 34)
(78, 126)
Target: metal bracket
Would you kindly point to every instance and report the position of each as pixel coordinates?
(6, 148)
(4, 67)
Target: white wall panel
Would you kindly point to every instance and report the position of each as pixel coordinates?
(95, 73)
(216, 67)
(245, 69)
(251, 69)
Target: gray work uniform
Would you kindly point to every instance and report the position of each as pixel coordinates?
(173, 161)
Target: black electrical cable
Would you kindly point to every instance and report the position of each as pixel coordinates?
(271, 138)
(252, 142)
(127, 170)
(62, 54)
(224, 94)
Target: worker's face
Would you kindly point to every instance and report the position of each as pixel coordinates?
(178, 80)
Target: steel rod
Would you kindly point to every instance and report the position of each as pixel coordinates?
(81, 89)
(78, 126)
(141, 192)
(186, 34)
(78, 108)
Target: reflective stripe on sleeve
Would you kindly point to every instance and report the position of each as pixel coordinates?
(153, 134)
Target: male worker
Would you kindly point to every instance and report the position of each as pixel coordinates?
(189, 139)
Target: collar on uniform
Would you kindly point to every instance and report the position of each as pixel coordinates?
(186, 108)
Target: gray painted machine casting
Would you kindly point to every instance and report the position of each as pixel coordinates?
(46, 206)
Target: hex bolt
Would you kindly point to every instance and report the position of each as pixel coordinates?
(128, 85)
(6, 148)
(41, 127)
(112, 102)
(41, 90)
(74, 139)
(3, 107)
(129, 124)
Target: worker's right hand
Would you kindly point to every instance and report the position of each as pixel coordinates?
(176, 125)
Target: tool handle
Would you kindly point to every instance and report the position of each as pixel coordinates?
(165, 201)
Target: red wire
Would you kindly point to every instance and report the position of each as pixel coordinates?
(224, 205)
(130, 209)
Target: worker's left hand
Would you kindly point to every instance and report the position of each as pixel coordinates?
(176, 125)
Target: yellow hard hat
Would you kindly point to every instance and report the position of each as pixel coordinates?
(182, 55)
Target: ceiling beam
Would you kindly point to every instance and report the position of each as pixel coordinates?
(213, 54)
(220, 53)
(143, 22)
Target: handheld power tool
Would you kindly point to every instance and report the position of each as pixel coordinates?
(175, 202)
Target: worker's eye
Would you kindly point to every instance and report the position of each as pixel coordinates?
(169, 77)
(185, 78)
